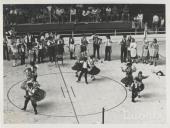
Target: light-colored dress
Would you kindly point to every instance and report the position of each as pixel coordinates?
(145, 49)
(133, 49)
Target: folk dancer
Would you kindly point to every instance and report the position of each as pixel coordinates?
(84, 70)
(78, 65)
(93, 69)
(129, 77)
(141, 85)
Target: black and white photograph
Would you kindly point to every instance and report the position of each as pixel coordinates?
(84, 63)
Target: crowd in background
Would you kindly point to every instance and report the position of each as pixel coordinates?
(37, 48)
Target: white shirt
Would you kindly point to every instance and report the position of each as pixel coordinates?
(84, 64)
(108, 42)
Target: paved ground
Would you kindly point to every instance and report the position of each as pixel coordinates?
(81, 103)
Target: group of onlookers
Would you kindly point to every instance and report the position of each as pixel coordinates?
(150, 51)
(37, 48)
(61, 14)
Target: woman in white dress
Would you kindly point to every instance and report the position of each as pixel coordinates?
(133, 50)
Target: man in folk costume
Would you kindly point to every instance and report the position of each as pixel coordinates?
(108, 48)
(72, 47)
(51, 49)
(40, 52)
(139, 79)
(129, 77)
(133, 50)
(96, 46)
(60, 48)
(84, 70)
(123, 49)
(83, 46)
(22, 51)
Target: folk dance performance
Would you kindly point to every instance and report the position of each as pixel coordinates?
(32, 88)
(85, 66)
(127, 81)
(137, 85)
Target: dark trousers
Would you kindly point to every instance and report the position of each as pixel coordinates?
(123, 54)
(6, 53)
(40, 55)
(108, 53)
(35, 57)
(96, 48)
(34, 104)
(71, 55)
(51, 52)
(128, 56)
(83, 71)
(22, 58)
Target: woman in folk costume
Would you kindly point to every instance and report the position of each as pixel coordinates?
(133, 50)
(34, 95)
(145, 50)
(93, 69)
(83, 46)
(155, 52)
(14, 48)
(78, 65)
(72, 47)
(129, 77)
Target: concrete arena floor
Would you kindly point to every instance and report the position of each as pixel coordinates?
(85, 104)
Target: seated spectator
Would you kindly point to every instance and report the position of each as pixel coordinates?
(115, 13)
(140, 19)
(162, 22)
(125, 13)
(72, 15)
(155, 22)
(108, 13)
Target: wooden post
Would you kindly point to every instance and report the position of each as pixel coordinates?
(103, 110)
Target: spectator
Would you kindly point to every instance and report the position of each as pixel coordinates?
(140, 19)
(114, 13)
(72, 15)
(125, 13)
(108, 13)
(155, 22)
